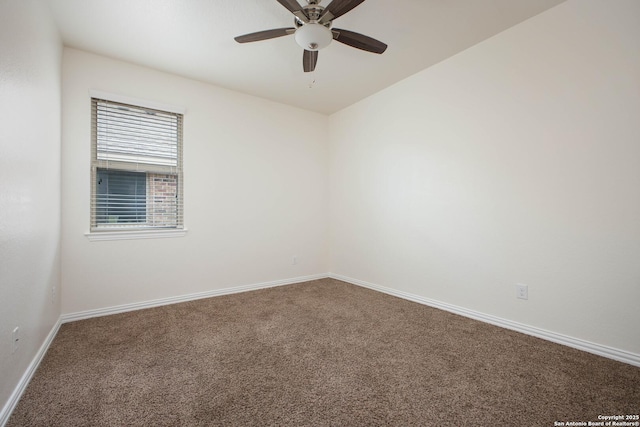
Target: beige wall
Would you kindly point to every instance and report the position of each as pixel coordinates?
(516, 161)
(255, 192)
(30, 66)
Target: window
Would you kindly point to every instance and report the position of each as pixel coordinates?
(122, 197)
(136, 168)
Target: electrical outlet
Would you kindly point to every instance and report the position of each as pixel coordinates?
(294, 260)
(522, 291)
(53, 294)
(15, 339)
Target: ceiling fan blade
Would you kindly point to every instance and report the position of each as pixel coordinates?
(264, 35)
(358, 40)
(294, 7)
(337, 8)
(309, 60)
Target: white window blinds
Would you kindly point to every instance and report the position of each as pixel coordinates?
(136, 173)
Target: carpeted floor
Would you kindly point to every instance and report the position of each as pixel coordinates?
(315, 354)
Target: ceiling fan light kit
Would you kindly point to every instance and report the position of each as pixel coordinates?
(313, 36)
(313, 32)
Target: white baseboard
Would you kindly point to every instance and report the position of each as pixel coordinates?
(28, 374)
(600, 350)
(71, 317)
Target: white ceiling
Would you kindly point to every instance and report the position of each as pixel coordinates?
(194, 38)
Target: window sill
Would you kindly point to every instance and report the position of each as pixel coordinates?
(98, 236)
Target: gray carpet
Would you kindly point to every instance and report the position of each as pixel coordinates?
(315, 354)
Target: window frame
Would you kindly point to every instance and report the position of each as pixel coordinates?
(129, 232)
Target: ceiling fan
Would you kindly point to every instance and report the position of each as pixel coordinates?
(313, 30)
